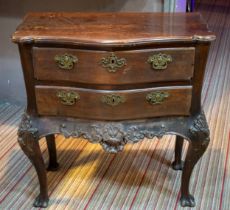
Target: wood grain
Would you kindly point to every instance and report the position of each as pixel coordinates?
(112, 28)
(135, 106)
(137, 69)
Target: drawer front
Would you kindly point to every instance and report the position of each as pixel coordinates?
(113, 105)
(121, 67)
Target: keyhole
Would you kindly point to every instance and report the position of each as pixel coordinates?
(112, 61)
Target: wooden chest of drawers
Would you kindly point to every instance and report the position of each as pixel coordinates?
(113, 78)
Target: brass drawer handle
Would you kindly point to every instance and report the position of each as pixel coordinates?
(68, 97)
(157, 97)
(113, 99)
(112, 63)
(66, 61)
(160, 61)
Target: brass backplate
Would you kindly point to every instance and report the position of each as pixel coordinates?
(66, 61)
(68, 97)
(112, 63)
(113, 99)
(160, 61)
(157, 97)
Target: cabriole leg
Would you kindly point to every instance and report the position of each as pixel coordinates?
(199, 140)
(178, 163)
(53, 164)
(28, 141)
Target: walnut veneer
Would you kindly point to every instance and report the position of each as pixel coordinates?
(113, 78)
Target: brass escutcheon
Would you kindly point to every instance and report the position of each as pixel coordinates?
(157, 97)
(68, 97)
(66, 61)
(112, 63)
(159, 61)
(113, 99)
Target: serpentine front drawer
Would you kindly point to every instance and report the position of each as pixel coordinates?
(113, 105)
(119, 67)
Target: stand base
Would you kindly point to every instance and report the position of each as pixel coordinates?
(113, 136)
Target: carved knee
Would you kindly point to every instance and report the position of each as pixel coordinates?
(199, 131)
(27, 134)
(199, 128)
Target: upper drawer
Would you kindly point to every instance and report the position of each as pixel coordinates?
(120, 67)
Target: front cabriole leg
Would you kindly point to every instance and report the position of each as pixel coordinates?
(28, 141)
(199, 140)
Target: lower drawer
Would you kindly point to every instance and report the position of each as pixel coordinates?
(113, 105)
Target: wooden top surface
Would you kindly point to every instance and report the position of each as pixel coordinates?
(112, 28)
